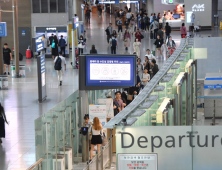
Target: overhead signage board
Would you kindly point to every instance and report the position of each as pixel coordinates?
(118, 2)
(3, 29)
(212, 86)
(110, 71)
(137, 161)
(39, 43)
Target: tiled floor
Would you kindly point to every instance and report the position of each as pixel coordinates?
(18, 149)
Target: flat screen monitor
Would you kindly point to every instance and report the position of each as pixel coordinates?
(116, 71)
(176, 16)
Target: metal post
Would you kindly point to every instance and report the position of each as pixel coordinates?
(83, 16)
(186, 97)
(101, 157)
(47, 149)
(111, 147)
(1, 56)
(56, 140)
(97, 160)
(16, 41)
(179, 104)
(166, 118)
(64, 133)
(77, 132)
(191, 95)
(174, 111)
(195, 90)
(73, 44)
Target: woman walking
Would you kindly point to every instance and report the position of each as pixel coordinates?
(136, 47)
(132, 25)
(54, 47)
(2, 122)
(96, 131)
(81, 44)
(126, 39)
(183, 31)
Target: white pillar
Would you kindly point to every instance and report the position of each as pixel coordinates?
(149, 7)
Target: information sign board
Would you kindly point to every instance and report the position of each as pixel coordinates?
(39, 43)
(76, 22)
(110, 71)
(137, 161)
(41, 78)
(3, 29)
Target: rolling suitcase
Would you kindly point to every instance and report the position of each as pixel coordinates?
(151, 35)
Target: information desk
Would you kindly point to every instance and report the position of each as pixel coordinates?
(175, 24)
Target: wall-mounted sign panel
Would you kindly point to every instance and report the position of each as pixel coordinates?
(3, 29)
(198, 7)
(137, 161)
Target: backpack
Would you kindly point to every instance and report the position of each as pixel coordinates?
(58, 64)
(53, 44)
(113, 43)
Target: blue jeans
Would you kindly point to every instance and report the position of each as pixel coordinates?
(167, 37)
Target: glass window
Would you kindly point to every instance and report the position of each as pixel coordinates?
(35, 6)
(53, 6)
(61, 6)
(44, 6)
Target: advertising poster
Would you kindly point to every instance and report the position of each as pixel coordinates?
(97, 111)
(70, 36)
(109, 106)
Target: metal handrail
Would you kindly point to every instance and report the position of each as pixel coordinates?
(35, 164)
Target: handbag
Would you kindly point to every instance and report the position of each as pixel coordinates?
(104, 140)
(53, 44)
(142, 37)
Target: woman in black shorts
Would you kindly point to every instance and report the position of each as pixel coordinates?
(96, 130)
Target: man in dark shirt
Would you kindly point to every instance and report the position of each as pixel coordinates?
(158, 44)
(7, 56)
(88, 15)
(62, 44)
(51, 38)
(119, 100)
(167, 30)
(155, 68)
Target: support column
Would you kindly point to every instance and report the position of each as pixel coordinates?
(132, 6)
(149, 7)
(84, 104)
(1, 53)
(74, 9)
(83, 16)
(16, 40)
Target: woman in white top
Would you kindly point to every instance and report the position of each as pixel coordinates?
(96, 130)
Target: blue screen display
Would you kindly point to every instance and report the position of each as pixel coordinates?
(110, 71)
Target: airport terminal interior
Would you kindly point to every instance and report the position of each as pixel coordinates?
(75, 96)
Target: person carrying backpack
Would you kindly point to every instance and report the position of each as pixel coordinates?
(60, 66)
(113, 43)
(109, 31)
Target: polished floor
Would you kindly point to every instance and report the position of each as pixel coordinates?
(18, 149)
